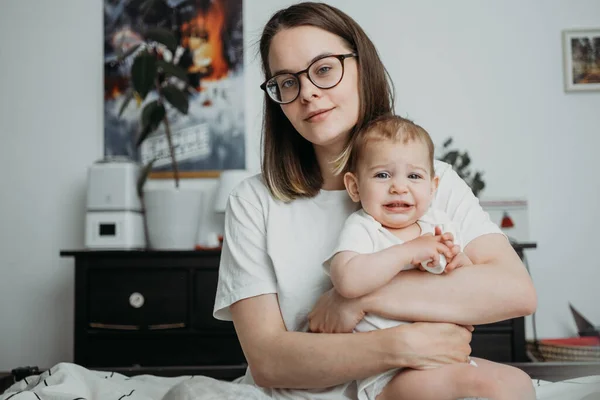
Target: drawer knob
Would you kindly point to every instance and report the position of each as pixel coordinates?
(136, 300)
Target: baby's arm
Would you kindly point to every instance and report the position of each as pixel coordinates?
(459, 260)
(355, 275)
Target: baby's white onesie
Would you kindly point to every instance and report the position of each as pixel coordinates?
(363, 234)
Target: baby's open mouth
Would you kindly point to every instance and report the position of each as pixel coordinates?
(399, 204)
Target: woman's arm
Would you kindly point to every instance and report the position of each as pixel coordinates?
(282, 359)
(495, 288)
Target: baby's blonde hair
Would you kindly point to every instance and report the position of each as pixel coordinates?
(386, 127)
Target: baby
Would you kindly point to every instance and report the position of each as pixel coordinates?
(391, 173)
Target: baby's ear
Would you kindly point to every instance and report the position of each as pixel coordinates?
(351, 183)
(434, 184)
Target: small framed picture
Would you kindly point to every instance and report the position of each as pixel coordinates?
(581, 53)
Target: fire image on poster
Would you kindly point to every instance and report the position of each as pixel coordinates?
(211, 137)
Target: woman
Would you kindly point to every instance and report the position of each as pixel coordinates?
(324, 81)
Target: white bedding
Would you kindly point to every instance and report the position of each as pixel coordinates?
(67, 381)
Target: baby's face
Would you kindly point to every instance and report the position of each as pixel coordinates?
(395, 183)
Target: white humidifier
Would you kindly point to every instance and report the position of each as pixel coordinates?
(114, 217)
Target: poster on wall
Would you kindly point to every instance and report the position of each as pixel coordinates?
(581, 53)
(211, 136)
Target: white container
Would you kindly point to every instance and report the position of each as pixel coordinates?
(173, 217)
(505, 212)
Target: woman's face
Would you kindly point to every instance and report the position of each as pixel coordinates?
(322, 116)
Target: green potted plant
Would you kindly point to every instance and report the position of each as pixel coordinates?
(460, 162)
(171, 214)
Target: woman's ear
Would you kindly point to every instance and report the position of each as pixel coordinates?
(351, 183)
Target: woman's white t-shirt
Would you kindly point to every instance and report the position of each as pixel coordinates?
(276, 247)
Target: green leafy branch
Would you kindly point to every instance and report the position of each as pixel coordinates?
(150, 71)
(460, 162)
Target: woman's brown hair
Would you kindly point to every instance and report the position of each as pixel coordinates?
(289, 164)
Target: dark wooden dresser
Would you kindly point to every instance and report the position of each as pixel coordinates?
(503, 341)
(153, 309)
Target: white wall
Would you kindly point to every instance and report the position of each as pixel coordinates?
(487, 73)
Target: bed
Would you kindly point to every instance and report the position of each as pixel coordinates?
(67, 381)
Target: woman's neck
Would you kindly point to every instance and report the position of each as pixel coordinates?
(325, 156)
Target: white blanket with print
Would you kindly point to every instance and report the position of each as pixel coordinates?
(67, 381)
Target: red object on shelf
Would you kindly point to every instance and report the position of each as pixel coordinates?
(507, 221)
(199, 247)
(203, 248)
(574, 341)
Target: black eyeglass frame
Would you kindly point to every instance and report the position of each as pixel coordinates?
(340, 57)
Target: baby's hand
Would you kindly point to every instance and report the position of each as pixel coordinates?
(448, 239)
(460, 260)
(427, 248)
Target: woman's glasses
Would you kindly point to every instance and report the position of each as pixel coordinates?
(325, 73)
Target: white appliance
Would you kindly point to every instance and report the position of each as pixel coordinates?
(114, 217)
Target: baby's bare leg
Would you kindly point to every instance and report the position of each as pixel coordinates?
(488, 380)
(445, 383)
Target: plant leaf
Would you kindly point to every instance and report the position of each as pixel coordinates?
(164, 36)
(143, 73)
(152, 115)
(450, 157)
(141, 181)
(465, 160)
(177, 98)
(477, 184)
(448, 142)
(151, 7)
(173, 70)
(126, 100)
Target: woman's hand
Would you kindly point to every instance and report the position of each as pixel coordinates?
(335, 314)
(428, 345)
